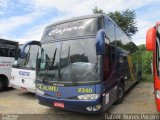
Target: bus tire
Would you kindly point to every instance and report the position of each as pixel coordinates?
(2, 84)
(120, 93)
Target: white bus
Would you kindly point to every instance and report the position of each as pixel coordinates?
(23, 70)
(8, 52)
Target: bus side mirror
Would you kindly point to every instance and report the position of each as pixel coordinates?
(100, 42)
(151, 39)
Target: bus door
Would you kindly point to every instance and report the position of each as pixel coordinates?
(109, 76)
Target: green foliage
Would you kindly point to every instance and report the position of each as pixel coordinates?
(146, 59)
(147, 77)
(126, 20)
(96, 10)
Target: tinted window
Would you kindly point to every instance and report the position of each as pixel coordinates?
(67, 61)
(71, 29)
(122, 40)
(110, 33)
(7, 52)
(30, 55)
(158, 54)
(109, 60)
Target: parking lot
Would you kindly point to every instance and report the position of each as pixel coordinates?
(139, 99)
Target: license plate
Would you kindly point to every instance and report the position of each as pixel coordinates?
(58, 104)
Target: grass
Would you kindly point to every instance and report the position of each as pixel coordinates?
(147, 78)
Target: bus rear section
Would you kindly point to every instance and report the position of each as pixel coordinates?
(8, 52)
(85, 65)
(23, 71)
(153, 44)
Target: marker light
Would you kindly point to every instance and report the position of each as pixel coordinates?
(88, 96)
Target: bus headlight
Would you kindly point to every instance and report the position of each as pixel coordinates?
(39, 92)
(158, 94)
(88, 96)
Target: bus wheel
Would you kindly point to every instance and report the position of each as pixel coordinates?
(2, 84)
(120, 93)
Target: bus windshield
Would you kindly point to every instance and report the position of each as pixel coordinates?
(72, 61)
(72, 29)
(29, 60)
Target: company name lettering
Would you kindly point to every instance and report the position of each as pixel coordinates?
(24, 73)
(47, 88)
(5, 65)
(66, 29)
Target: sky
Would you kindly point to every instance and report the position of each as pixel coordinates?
(24, 20)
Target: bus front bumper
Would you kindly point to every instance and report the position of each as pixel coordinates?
(84, 106)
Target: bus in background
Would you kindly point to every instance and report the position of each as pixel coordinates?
(23, 70)
(86, 64)
(8, 52)
(153, 44)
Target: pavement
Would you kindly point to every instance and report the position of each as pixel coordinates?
(22, 105)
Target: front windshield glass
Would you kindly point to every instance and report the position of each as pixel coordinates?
(72, 29)
(68, 61)
(30, 55)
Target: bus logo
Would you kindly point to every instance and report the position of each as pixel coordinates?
(24, 73)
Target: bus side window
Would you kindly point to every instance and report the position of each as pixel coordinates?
(4, 52)
(158, 54)
(110, 31)
(12, 53)
(1, 52)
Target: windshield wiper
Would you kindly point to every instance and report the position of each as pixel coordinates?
(46, 67)
(54, 57)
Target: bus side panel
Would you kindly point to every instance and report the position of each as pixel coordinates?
(5, 66)
(109, 98)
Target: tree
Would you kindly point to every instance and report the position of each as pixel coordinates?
(146, 59)
(96, 10)
(126, 20)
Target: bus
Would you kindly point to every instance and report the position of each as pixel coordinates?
(23, 70)
(85, 64)
(8, 52)
(153, 44)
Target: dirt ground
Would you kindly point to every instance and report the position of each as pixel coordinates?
(139, 100)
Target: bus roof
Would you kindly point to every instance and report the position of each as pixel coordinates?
(77, 18)
(5, 41)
